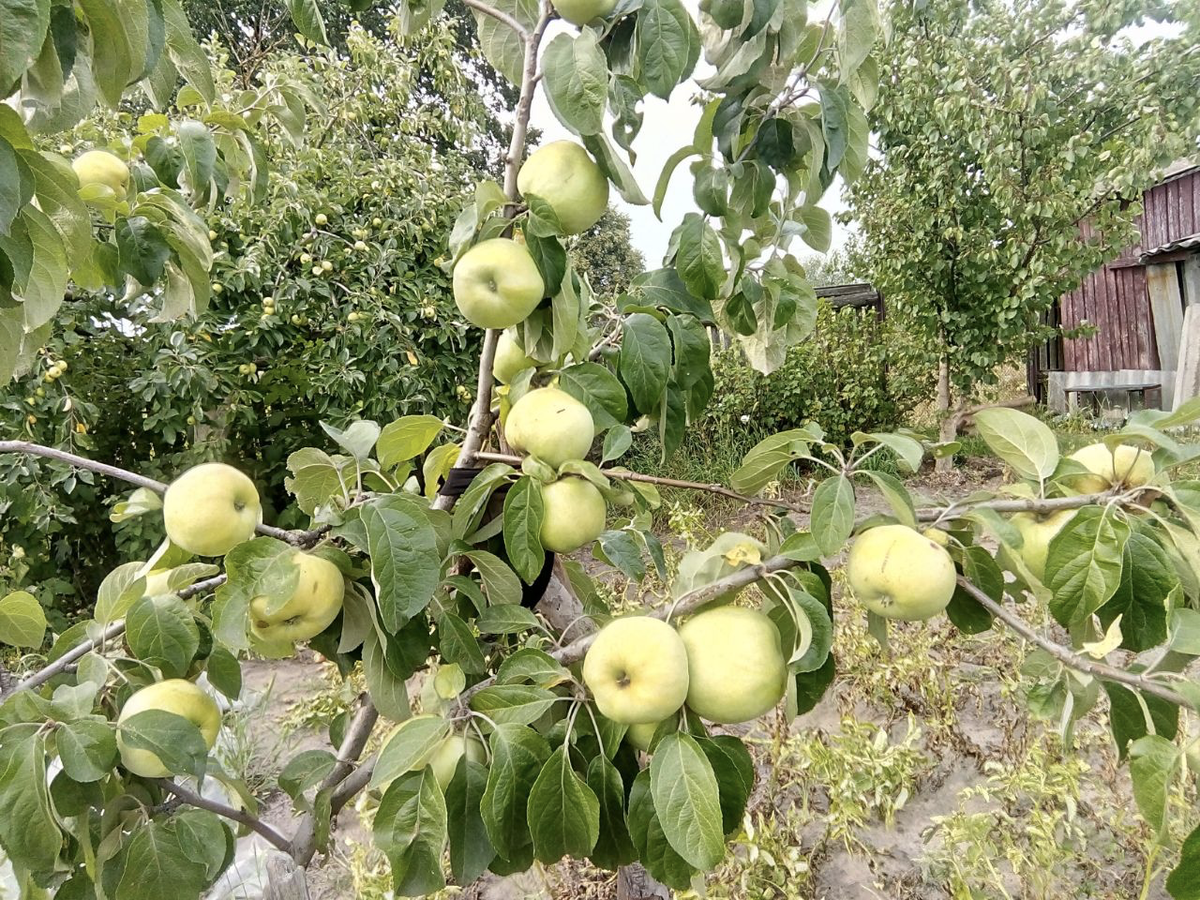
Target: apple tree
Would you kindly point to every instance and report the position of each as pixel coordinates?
(521, 719)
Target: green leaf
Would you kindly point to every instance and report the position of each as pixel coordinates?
(305, 770)
(1084, 564)
(406, 438)
(646, 830)
(499, 582)
(162, 632)
(458, 645)
(645, 360)
(599, 390)
(621, 551)
(687, 800)
(811, 686)
(576, 79)
(896, 494)
(119, 589)
(199, 153)
(613, 847)
(1154, 761)
(766, 459)
(1127, 716)
(614, 168)
(410, 828)
(408, 747)
(87, 748)
(818, 227)
(523, 527)
(1142, 596)
(28, 830)
(832, 517)
(156, 863)
(668, 44)
(142, 249)
(518, 754)
(471, 852)
(617, 441)
(187, 55)
(405, 564)
(532, 665)
(306, 16)
(517, 704)
(23, 27)
(509, 618)
(471, 504)
(563, 812)
(22, 620)
(357, 439)
(664, 177)
(1022, 441)
(503, 47)
(385, 687)
(734, 770)
(224, 672)
(698, 258)
(968, 614)
(1184, 881)
(176, 741)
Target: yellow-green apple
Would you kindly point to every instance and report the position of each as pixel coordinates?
(551, 425)
(581, 12)
(314, 603)
(1125, 465)
(210, 509)
(573, 513)
(445, 756)
(736, 667)
(102, 167)
(898, 573)
(563, 175)
(497, 284)
(1036, 534)
(637, 670)
(510, 358)
(174, 696)
(640, 735)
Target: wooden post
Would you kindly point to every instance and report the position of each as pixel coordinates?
(1166, 306)
(635, 883)
(1191, 280)
(284, 880)
(1187, 379)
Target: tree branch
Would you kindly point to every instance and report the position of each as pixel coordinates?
(234, 815)
(295, 538)
(500, 16)
(113, 631)
(304, 845)
(1069, 657)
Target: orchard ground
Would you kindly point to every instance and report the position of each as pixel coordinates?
(921, 774)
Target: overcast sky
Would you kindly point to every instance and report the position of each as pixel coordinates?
(667, 125)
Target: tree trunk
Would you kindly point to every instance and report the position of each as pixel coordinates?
(284, 880)
(635, 883)
(948, 429)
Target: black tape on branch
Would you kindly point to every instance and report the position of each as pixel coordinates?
(457, 481)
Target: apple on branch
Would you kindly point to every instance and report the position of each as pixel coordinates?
(551, 425)
(573, 514)
(898, 573)
(562, 174)
(736, 667)
(313, 605)
(497, 284)
(1122, 465)
(637, 670)
(210, 509)
(177, 696)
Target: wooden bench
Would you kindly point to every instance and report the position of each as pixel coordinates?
(1131, 387)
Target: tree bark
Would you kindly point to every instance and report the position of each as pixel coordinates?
(635, 883)
(948, 429)
(284, 880)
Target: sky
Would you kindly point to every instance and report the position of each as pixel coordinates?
(667, 125)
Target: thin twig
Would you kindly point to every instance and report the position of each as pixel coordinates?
(295, 538)
(500, 16)
(1069, 657)
(234, 815)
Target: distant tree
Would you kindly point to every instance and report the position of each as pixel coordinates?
(834, 267)
(1001, 126)
(607, 256)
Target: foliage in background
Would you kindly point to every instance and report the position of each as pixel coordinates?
(606, 255)
(1001, 126)
(375, 336)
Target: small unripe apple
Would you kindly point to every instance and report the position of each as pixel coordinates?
(212, 235)
(102, 167)
(353, 317)
(321, 219)
(326, 265)
(377, 221)
(217, 287)
(305, 259)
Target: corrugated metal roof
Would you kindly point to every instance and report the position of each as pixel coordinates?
(1191, 242)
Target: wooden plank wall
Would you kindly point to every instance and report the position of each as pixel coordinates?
(1172, 209)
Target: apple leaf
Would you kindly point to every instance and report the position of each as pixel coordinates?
(385, 687)
(646, 831)
(117, 592)
(668, 44)
(576, 81)
(162, 632)
(563, 812)
(687, 800)
(22, 620)
(305, 770)
(470, 849)
(734, 770)
(499, 583)
(1084, 564)
(224, 672)
(832, 518)
(599, 390)
(518, 704)
(87, 749)
(1154, 761)
(408, 747)
(508, 618)
(1025, 443)
(410, 828)
(523, 511)
(406, 438)
(405, 564)
(518, 754)
(160, 861)
(1184, 881)
(1141, 599)
(613, 847)
(176, 741)
(645, 360)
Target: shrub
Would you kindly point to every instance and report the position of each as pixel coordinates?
(853, 374)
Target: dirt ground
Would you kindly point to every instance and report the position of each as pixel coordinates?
(972, 728)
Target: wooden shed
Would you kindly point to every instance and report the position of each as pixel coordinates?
(1146, 340)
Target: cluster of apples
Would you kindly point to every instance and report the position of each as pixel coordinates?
(497, 285)
(727, 665)
(209, 510)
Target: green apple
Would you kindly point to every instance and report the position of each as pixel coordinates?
(581, 12)
(174, 696)
(510, 358)
(1036, 533)
(1124, 465)
(497, 284)
(573, 514)
(637, 670)
(640, 736)
(445, 756)
(551, 425)
(102, 167)
(563, 175)
(898, 573)
(736, 667)
(314, 603)
(210, 509)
